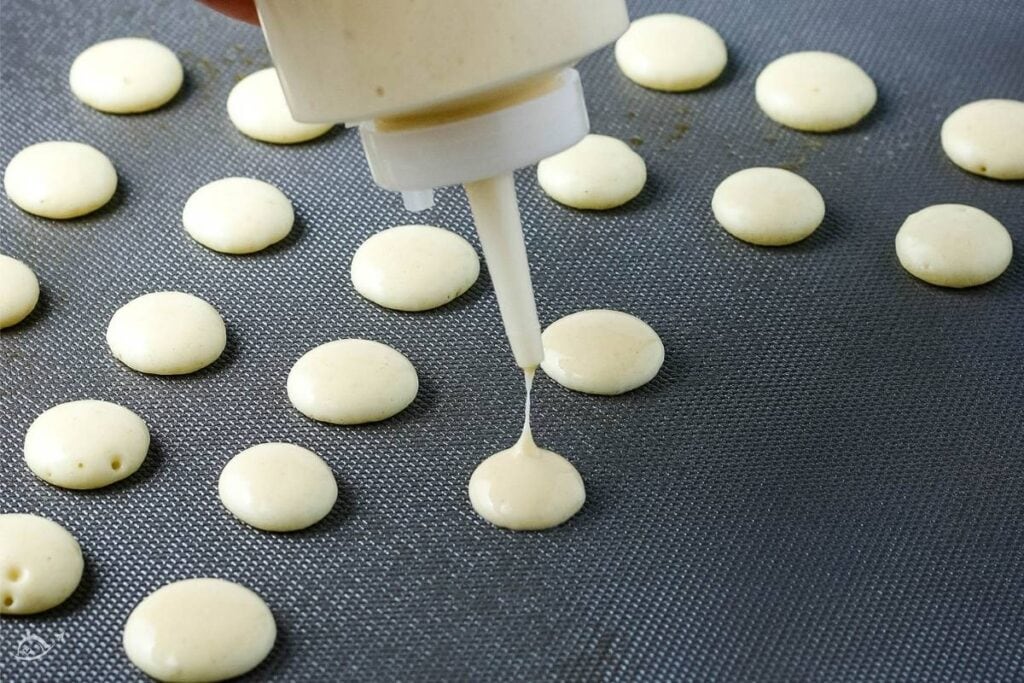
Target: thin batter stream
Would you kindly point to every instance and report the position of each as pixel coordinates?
(526, 487)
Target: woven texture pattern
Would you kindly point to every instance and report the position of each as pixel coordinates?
(824, 483)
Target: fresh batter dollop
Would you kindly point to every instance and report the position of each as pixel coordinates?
(238, 215)
(258, 109)
(86, 444)
(351, 381)
(60, 179)
(953, 245)
(768, 206)
(199, 630)
(166, 333)
(598, 172)
(987, 137)
(815, 91)
(19, 291)
(126, 75)
(671, 52)
(526, 487)
(600, 351)
(414, 267)
(278, 487)
(40, 564)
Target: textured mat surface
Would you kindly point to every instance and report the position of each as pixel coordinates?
(825, 482)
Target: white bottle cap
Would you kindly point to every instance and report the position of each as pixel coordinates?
(415, 160)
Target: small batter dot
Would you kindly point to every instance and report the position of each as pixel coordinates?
(166, 333)
(86, 444)
(238, 215)
(987, 137)
(671, 52)
(19, 291)
(47, 563)
(60, 179)
(126, 75)
(768, 206)
(598, 172)
(278, 487)
(258, 109)
(601, 352)
(414, 267)
(815, 91)
(199, 630)
(351, 381)
(526, 488)
(953, 245)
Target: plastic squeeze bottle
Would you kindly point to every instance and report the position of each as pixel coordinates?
(449, 92)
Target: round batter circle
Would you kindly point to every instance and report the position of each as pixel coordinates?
(278, 487)
(414, 267)
(40, 564)
(953, 245)
(671, 52)
(126, 75)
(166, 333)
(199, 630)
(987, 138)
(600, 351)
(19, 291)
(815, 91)
(598, 172)
(60, 179)
(86, 444)
(238, 215)
(526, 488)
(768, 206)
(352, 381)
(258, 109)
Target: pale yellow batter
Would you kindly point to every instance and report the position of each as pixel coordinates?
(257, 107)
(526, 488)
(671, 52)
(166, 333)
(40, 564)
(392, 57)
(768, 206)
(59, 179)
(815, 91)
(601, 352)
(199, 630)
(126, 75)
(351, 381)
(598, 172)
(987, 137)
(414, 267)
(953, 245)
(278, 487)
(238, 215)
(19, 291)
(86, 444)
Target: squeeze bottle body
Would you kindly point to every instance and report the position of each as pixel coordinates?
(449, 92)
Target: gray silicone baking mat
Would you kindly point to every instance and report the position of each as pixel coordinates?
(825, 482)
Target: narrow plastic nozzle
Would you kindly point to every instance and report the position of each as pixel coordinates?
(418, 200)
(496, 213)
